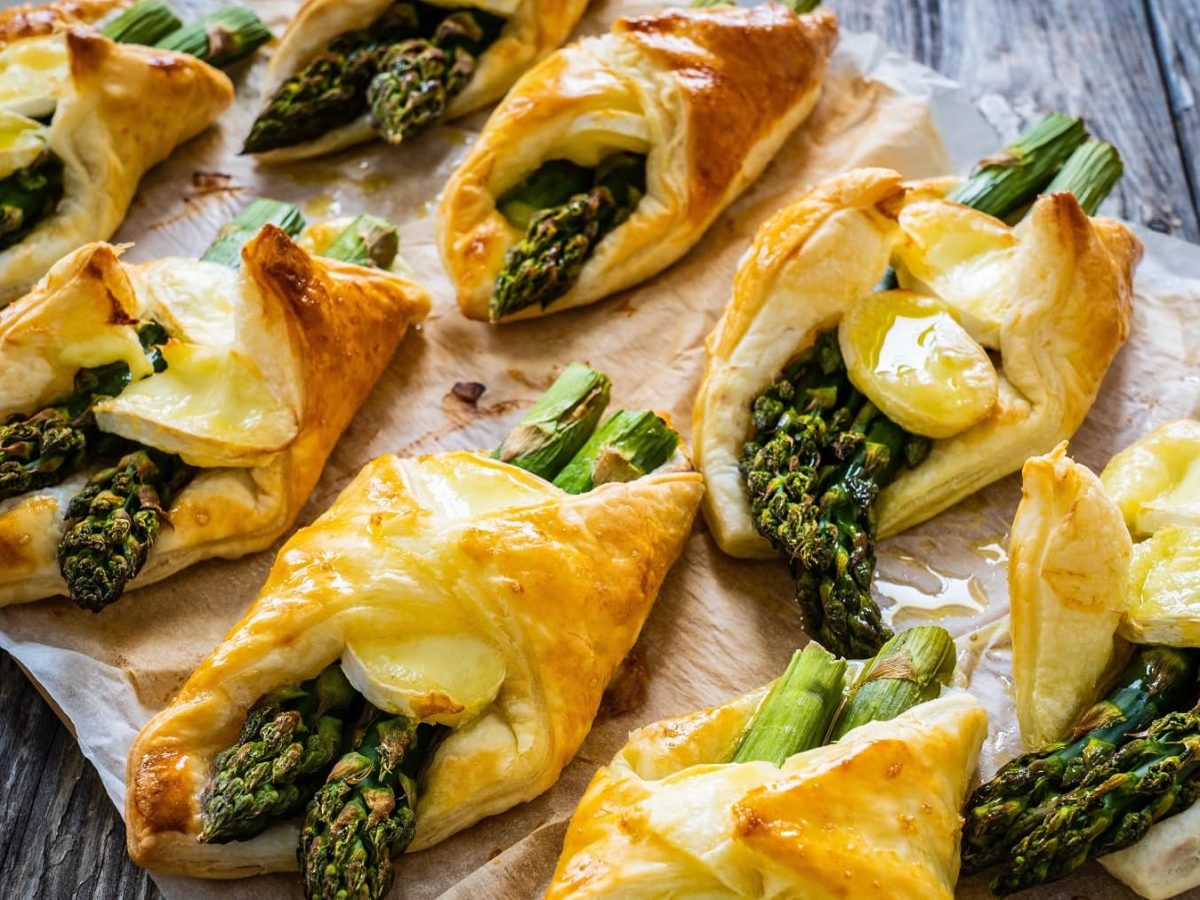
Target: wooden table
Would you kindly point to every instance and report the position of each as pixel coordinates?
(1130, 67)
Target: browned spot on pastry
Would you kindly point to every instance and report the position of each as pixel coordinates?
(747, 821)
(163, 796)
(31, 20)
(436, 703)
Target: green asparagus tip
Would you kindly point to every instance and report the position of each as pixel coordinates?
(909, 669)
(796, 714)
(559, 424)
(552, 184)
(235, 234)
(146, 22)
(221, 38)
(624, 448)
(1090, 174)
(1005, 184)
(367, 241)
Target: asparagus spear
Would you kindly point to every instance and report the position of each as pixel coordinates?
(363, 815)
(910, 669)
(559, 424)
(113, 522)
(367, 241)
(221, 38)
(1090, 173)
(543, 265)
(1007, 808)
(796, 714)
(624, 448)
(1151, 777)
(289, 739)
(551, 184)
(27, 196)
(146, 22)
(226, 249)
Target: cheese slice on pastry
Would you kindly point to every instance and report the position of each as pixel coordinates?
(707, 96)
(115, 110)
(266, 365)
(1049, 302)
(421, 566)
(873, 815)
(531, 30)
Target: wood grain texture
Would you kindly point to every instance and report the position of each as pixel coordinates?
(1129, 66)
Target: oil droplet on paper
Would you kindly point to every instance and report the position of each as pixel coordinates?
(319, 206)
(930, 590)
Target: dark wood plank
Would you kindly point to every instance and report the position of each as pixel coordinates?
(1176, 30)
(1095, 58)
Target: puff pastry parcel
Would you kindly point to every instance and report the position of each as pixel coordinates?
(82, 119)
(873, 815)
(499, 604)
(264, 367)
(515, 35)
(694, 101)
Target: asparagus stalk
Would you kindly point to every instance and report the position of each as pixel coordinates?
(146, 22)
(1003, 811)
(1090, 173)
(367, 241)
(289, 739)
(1151, 777)
(546, 262)
(796, 714)
(114, 521)
(551, 184)
(27, 196)
(226, 249)
(624, 448)
(221, 38)
(910, 669)
(364, 815)
(559, 424)
(1009, 181)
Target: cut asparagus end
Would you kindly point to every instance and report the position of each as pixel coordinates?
(624, 448)
(234, 235)
(796, 714)
(1090, 174)
(1003, 185)
(367, 241)
(559, 424)
(146, 22)
(221, 38)
(909, 669)
(551, 184)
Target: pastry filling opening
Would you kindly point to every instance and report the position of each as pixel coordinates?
(403, 70)
(564, 211)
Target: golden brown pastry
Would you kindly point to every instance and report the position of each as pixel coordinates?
(874, 815)
(706, 96)
(115, 111)
(265, 368)
(531, 29)
(1049, 300)
(455, 589)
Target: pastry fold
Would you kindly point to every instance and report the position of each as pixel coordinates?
(708, 95)
(533, 28)
(118, 110)
(1051, 298)
(289, 346)
(875, 814)
(432, 561)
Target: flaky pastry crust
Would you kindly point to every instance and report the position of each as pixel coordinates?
(123, 109)
(712, 93)
(531, 31)
(453, 545)
(874, 815)
(322, 331)
(1060, 309)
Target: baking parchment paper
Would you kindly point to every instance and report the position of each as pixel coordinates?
(721, 626)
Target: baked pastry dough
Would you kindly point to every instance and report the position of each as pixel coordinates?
(709, 95)
(266, 367)
(1052, 297)
(533, 28)
(118, 110)
(874, 815)
(431, 560)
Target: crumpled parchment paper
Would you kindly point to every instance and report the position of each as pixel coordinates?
(721, 626)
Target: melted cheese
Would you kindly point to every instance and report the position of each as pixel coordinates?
(1164, 590)
(195, 301)
(22, 141)
(33, 75)
(1156, 480)
(598, 133)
